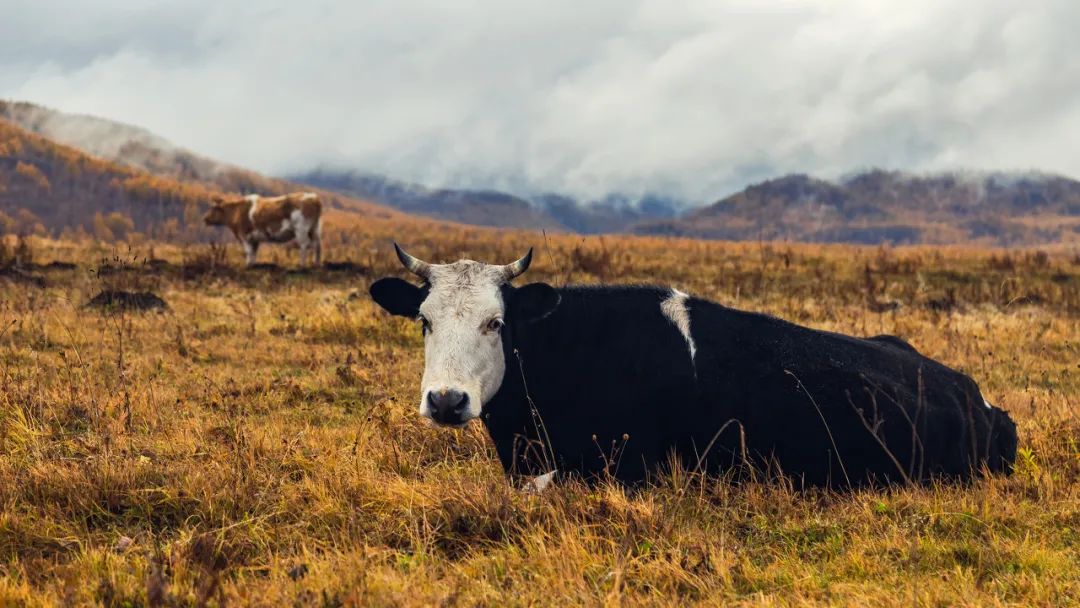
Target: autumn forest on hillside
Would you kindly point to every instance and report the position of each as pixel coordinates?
(51, 189)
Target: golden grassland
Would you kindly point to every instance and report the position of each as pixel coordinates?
(258, 443)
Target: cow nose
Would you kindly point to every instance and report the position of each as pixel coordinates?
(448, 406)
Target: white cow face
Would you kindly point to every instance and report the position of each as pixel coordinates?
(462, 310)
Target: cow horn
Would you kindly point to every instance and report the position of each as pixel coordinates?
(514, 269)
(415, 265)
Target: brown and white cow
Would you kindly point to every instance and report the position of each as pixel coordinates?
(257, 219)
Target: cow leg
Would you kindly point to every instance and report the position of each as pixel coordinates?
(303, 239)
(250, 249)
(317, 241)
(303, 254)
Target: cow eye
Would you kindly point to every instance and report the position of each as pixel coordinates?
(495, 324)
(425, 325)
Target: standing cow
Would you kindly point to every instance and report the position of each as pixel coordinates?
(255, 219)
(596, 381)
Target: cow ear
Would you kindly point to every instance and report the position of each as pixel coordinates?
(397, 297)
(216, 199)
(534, 301)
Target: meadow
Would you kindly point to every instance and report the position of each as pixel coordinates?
(257, 443)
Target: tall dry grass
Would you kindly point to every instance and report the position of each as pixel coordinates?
(257, 443)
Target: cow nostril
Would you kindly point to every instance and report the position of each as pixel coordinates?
(462, 404)
(448, 401)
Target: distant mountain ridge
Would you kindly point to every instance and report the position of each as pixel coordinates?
(613, 213)
(479, 207)
(872, 207)
(138, 148)
(876, 206)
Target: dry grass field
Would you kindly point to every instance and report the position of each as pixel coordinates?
(257, 443)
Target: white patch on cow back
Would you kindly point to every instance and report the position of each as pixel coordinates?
(257, 234)
(674, 308)
(987, 404)
(254, 200)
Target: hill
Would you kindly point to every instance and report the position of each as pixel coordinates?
(478, 207)
(135, 147)
(611, 214)
(1002, 209)
(45, 186)
(890, 206)
(111, 179)
(132, 147)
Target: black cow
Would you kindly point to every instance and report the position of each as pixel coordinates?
(624, 381)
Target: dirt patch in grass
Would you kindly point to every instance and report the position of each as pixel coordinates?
(265, 267)
(21, 277)
(346, 267)
(55, 265)
(126, 300)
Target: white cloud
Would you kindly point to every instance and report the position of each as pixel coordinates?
(691, 98)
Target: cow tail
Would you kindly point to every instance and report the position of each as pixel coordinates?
(317, 229)
(1003, 442)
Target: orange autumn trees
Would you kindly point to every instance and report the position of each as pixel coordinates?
(60, 187)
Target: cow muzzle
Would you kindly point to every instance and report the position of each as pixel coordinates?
(448, 407)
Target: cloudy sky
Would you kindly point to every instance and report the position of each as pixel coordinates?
(691, 99)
